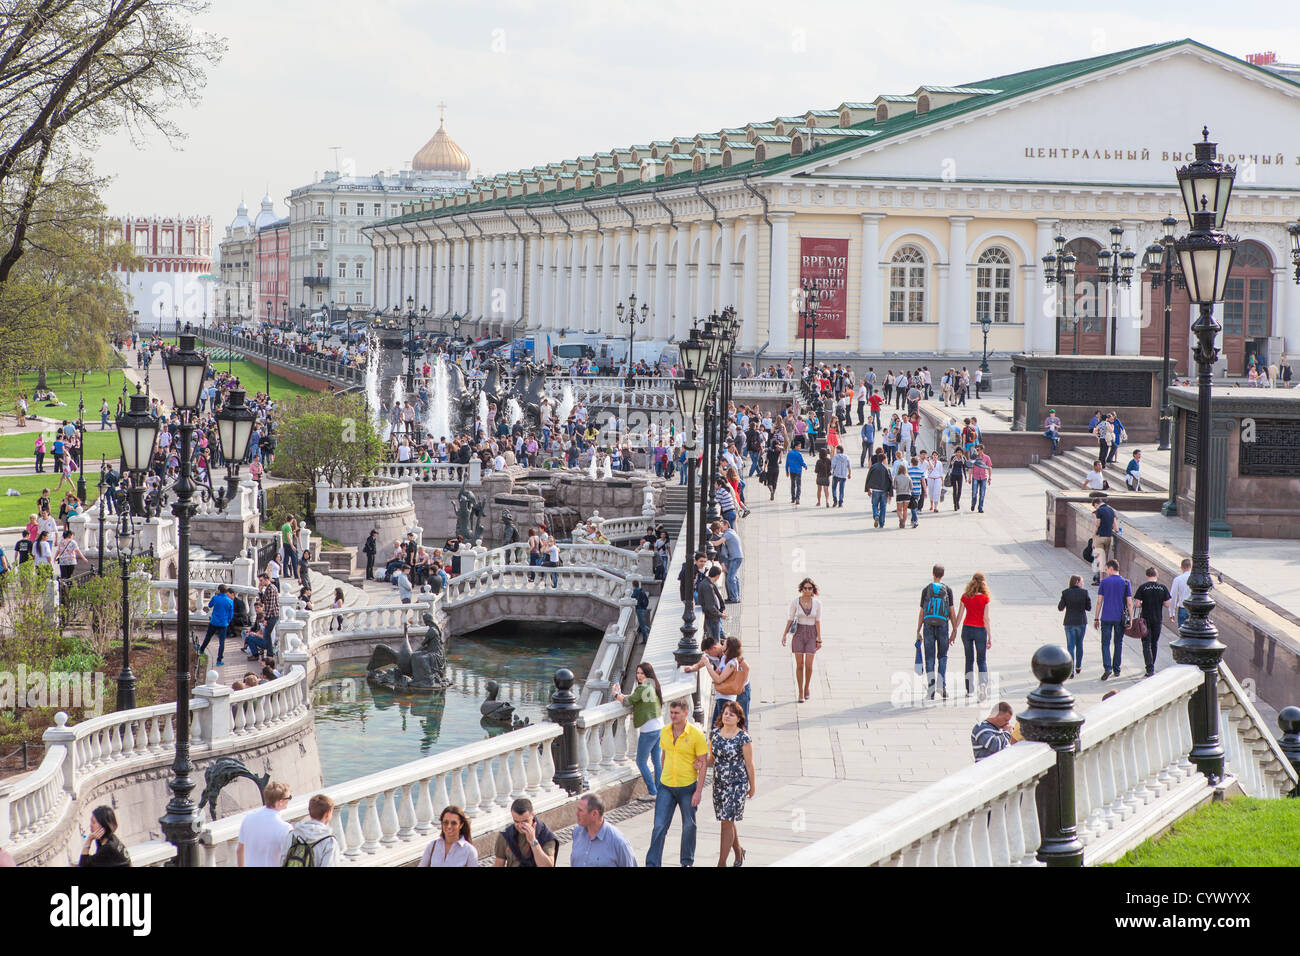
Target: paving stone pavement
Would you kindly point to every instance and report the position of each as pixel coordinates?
(866, 738)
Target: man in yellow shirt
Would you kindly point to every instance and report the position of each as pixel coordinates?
(681, 782)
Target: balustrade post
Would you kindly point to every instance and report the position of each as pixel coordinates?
(1289, 723)
(214, 721)
(1051, 719)
(563, 710)
(61, 733)
(322, 496)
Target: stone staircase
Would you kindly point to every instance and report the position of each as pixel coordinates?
(1067, 469)
(674, 515)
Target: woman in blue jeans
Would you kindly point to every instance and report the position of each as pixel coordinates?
(647, 702)
(1076, 602)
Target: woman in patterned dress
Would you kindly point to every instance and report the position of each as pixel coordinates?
(731, 755)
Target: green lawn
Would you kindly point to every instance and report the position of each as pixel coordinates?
(1243, 831)
(97, 385)
(252, 375)
(15, 510)
(20, 444)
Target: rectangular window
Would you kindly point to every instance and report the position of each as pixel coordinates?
(343, 270)
(343, 235)
(343, 209)
(1258, 319)
(320, 297)
(320, 235)
(320, 270)
(379, 209)
(320, 209)
(361, 270)
(357, 300)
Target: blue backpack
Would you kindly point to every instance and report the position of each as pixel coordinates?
(937, 607)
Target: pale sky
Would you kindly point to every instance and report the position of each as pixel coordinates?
(528, 83)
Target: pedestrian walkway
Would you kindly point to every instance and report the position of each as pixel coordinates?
(865, 738)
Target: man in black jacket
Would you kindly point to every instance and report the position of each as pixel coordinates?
(881, 485)
(368, 549)
(712, 602)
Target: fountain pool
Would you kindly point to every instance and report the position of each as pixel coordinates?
(362, 730)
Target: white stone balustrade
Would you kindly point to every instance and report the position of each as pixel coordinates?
(616, 560)
(984, 815)
(162, 599)
(437, 473)
(387, 818)
(1133, 754)
(513, 579)
(1254, 756)
(607, 739)
(383, 496)
(363, 621)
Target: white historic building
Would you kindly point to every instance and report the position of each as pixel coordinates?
(331, 262)
(916, 214)
(176, 279)
(237, 286)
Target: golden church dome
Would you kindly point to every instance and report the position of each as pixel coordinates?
(441, 154)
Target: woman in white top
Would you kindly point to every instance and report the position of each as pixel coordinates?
(552, 559)
(43, 550)
(453, 847)
(933, 471)
(804, 631)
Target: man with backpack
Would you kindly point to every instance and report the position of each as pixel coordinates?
(311, 842)
(932, 628)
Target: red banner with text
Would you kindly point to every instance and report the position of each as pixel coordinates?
(824, 266)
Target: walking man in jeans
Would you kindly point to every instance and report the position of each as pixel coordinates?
(881, 485)
(794, 467)
(1114, 597)
(681, 783)
(841, 471)
(981, 473)
(932, 622)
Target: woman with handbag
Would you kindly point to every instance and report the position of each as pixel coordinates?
(803, 630)
(934, 478)
(976, 636)
(730, 678)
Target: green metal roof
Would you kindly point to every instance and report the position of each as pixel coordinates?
(896, 98)
(822, 113)
(964, 90)
(1008, 86)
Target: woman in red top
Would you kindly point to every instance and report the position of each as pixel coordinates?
(976, 637)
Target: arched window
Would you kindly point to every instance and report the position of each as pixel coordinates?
(1247, 300)
(993, 285)
(907, 285)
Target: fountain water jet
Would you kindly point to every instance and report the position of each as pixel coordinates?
(438, 421)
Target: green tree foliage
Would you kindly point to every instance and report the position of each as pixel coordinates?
(324, 437)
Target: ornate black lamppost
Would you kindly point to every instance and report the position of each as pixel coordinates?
(137, 433)
(1115, 269)
(1205, 258)
(986, 323)
(180, 824)
(81, 449)
(808, 299)
(633, 317)
(691, 397)
(125, 534)
(1169, 279)
(1058, 271)
(235, 422)
(100, 486)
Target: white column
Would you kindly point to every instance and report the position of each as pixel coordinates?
(559, 284)
(1040, 307)
(463, 249)
(542, 302)
(1128, 327)
(727, 265)
(591, 316)
(956, 317)
(640, 239)
(749, 304)
(704, 280)
(444, 275)
(778, 285)
(1286, 313)
(482, 279)
(1029, 274)
(660, 305)
(522, 245)
(609, 291)
(626, 283)
(577, 315)
(682, 283)
(871, 328)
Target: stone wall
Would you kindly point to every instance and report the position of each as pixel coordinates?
(351, 530)
(222, 534)
(494, 608)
